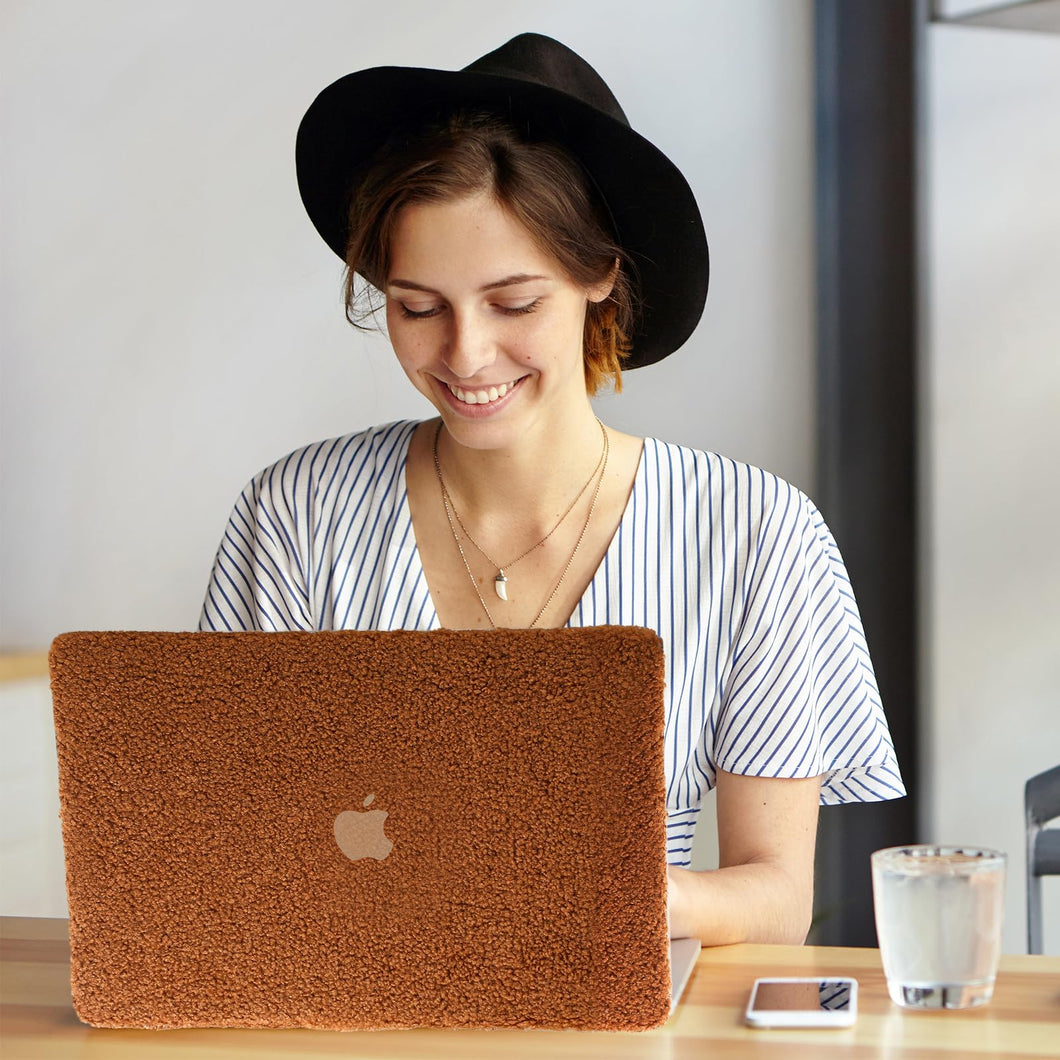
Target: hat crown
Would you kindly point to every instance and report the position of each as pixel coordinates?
(543, 61)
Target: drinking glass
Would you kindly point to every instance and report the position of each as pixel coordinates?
(938, 921)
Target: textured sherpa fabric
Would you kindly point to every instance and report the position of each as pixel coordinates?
(518, 776)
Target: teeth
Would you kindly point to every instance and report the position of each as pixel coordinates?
(481, 397)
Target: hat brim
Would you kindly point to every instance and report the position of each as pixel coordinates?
(656, 219)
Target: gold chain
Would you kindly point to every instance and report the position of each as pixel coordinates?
(502, 567)
(450, 513)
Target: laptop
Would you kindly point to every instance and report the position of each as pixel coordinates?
(366, 830)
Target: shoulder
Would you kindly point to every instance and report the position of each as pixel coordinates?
(375, 454)
(708, 482)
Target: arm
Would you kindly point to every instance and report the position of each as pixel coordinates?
(260, 577)
(762, 890)
(257, 581)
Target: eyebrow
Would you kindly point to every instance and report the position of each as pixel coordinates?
(508, 281)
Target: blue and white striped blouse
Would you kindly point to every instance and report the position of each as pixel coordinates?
(768, 671)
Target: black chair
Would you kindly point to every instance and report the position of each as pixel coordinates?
(1041, 799)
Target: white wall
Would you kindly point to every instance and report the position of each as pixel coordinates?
(172, 322)
(991, 429)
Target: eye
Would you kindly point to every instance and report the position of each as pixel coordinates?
(518, 310)
(419, 314)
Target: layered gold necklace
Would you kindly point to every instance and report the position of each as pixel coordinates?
(500, 581)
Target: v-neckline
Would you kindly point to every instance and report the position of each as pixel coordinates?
(420, 574)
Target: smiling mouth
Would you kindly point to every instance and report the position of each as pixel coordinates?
(482, 397)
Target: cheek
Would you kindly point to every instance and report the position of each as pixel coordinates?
(555, 336)
(400, 329)
(560, 339)
(409, 342)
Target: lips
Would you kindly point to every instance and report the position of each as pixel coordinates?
(484, 396)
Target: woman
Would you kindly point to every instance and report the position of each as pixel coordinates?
(528, 246)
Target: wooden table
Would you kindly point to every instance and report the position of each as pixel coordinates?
(37, 1019)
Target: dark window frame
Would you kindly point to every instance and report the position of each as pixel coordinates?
(867, 62)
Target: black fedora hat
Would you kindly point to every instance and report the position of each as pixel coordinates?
(548, 92)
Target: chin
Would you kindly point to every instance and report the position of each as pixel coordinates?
(480, 434)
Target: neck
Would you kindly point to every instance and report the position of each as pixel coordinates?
(524, 485)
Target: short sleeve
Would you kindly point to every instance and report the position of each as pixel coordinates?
(258, 581)
(323, 539)
(801, 698)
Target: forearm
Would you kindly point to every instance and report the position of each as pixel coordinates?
(756, 902)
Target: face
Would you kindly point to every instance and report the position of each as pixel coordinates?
(485, 324)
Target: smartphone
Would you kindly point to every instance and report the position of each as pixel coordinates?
(803, 1003)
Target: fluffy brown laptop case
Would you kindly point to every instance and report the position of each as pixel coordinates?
(364, 830)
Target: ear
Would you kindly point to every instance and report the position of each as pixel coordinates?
(599, 291)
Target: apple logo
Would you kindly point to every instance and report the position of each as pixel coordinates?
(359, 833)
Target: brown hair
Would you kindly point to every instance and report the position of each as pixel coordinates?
(537, 182)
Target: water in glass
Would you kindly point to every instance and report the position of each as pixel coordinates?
(938, 921)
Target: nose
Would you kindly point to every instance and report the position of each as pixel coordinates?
(469, 345)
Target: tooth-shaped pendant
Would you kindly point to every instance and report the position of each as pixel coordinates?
(500, 583)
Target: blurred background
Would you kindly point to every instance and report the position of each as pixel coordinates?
(170, 323)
